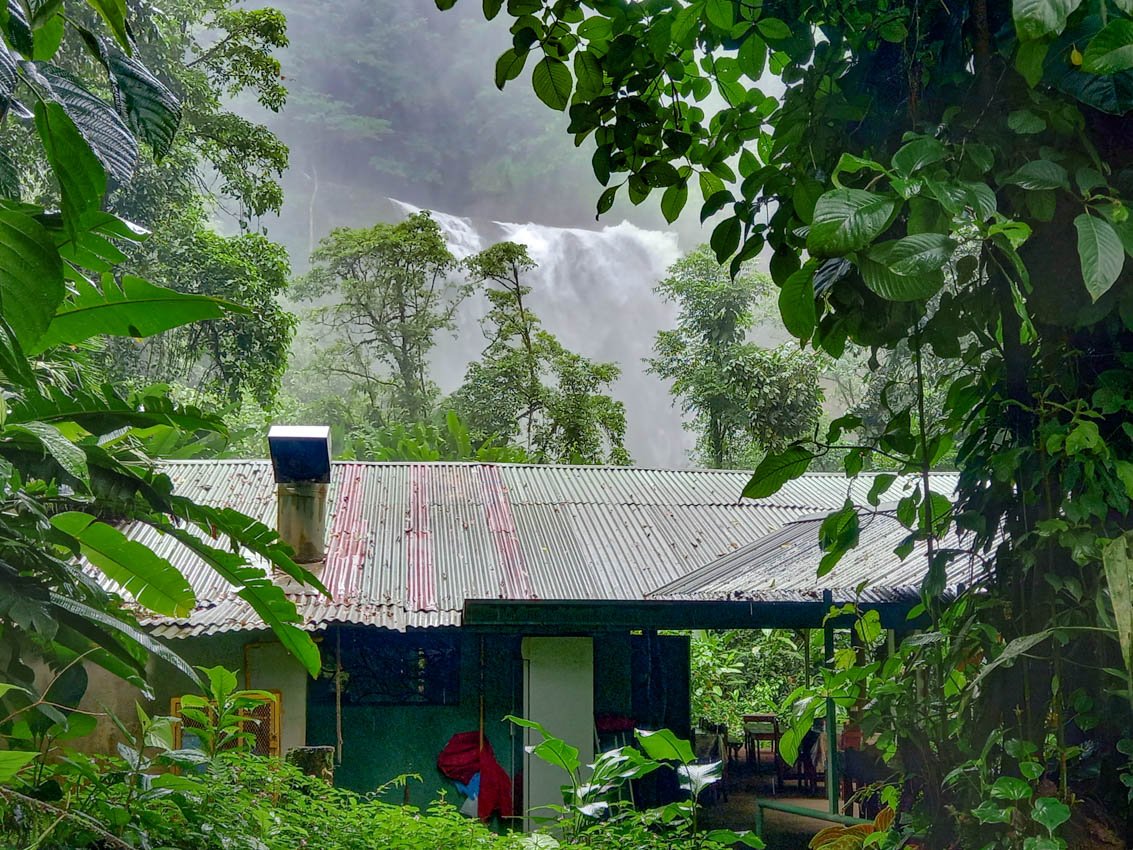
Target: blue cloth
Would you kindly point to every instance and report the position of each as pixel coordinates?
(472, 789)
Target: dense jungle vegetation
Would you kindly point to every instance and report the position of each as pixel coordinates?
(938, 192)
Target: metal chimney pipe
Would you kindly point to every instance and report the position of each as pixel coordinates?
(300, 457)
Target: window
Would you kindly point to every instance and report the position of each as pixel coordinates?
(387, 668)
(262, 722)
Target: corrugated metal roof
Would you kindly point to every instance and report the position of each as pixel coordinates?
(408, 543)
(783, 566)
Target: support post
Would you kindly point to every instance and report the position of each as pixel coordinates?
(832, 773)
(806, 657)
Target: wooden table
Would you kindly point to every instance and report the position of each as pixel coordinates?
(760, 728)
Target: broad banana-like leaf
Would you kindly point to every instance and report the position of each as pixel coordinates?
(103, 129)
(70, 457)
(31, 276)
(135, 308)
(154, 647)
(13, 761)
(150, 580)
(106, 412)
(82, 179)
(256, 588)
(151, 109)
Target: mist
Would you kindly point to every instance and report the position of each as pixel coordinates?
(395, 100)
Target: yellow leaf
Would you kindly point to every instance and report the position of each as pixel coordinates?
(1075, 56)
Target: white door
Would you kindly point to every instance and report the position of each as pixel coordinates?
(558, 691)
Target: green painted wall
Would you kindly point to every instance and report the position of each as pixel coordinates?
(381, 742)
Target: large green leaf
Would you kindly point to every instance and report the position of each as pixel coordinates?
(152, 110)
(13, 761)
(589, 74)
(114, 13)
(1100, 252)
(1111, 50)
(256, 588)
(847, 220)
(777, 469)
(920, 254)
(720, 13)
(510, 65)
(917, 154)
(18, 26)
(1035, 19)
(82, 180)
(1051, 813)
(664, 745)
(1040, 174)
(8, 76)
(152, 581)
(106, 411)
(139, 636)
(105, 132)
(894, 287)
(1117, 558)
(69, 456)
(251, 534)
(31, 276)
(796, 302)
(136, 308)
(552, 82)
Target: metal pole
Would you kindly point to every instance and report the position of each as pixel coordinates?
(832, 777)
(338, 694)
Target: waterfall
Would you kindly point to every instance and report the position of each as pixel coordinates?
(593, 289)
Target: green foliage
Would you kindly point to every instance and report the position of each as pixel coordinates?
(218, 797)
(527, 386)
(957, 176)
(72, 456)
(241, 354)
(594, 812)
(745, 399)
(738, 672)
(203, 54)
(219, 714)
(427, 441)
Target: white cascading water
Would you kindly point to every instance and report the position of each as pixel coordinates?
(593, 289)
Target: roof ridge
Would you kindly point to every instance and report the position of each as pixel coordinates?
(581, 467)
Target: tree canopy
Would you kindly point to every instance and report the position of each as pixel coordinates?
(527, 386)
(391, 288)
(746, 399)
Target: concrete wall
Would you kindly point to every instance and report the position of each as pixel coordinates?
(271, 668)
(268, 666)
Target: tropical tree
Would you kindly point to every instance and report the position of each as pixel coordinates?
(527, 386)
(240, 356)
(392, 290)
(73, 454)
(745, 399)
(954, 178)
(221, 167)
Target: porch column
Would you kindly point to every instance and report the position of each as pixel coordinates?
(832, 773)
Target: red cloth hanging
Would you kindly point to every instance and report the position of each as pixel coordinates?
(462, 758)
